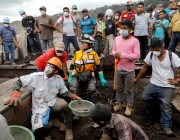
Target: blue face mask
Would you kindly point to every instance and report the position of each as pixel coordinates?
(123, 32)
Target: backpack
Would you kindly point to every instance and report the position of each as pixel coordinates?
(70, 17)
(170, 57)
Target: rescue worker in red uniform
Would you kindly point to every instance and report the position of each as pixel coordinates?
(129, 13)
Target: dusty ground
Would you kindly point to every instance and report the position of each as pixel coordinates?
(82, 130)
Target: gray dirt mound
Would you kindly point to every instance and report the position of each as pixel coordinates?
(108, 60)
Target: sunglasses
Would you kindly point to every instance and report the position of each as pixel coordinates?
(50, 65)
(59, 51)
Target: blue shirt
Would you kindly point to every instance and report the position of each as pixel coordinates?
(87, 26)
(168, 10)
(7, 34)
(160, 32)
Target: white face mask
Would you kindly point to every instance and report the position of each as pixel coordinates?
(116, 17)
(156, 53)
(59, 54)
(85, 17)
(6, 25)
(108, 18)
(42, 12)
(23, 16)
(47, 70)
(74, 10)
(66, 14)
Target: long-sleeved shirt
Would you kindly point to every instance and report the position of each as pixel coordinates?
(130, 51)
(122, 128)
(44, 90)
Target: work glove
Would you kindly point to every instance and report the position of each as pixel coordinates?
(14, 99)
(75, 97)
(103, 81)
(70, 77)
(66, 78)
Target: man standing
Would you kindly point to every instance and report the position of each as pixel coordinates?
(127, 55)
(57, 51)
(7, 33)
(160, 87)
(45, 87)
(76, 15)
(44, 26)
(110, 31)
(160, 8)
(142, 28)
(129, 13)
(88, 26)
(28, 23)
(161, 26)
(174, 32)
(68, 32)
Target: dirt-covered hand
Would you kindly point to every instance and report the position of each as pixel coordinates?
(14, 99)
(79, 99)
(66, 78)
(172, 81)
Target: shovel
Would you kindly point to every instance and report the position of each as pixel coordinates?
(111, 102)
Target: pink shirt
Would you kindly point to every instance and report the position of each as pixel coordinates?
(130, 51)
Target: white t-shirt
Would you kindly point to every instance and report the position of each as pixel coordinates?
(99, 26)
(162, 71)
(67, 24)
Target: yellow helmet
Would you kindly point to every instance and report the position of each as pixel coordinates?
(55, 61)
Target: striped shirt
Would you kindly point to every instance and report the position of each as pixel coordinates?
(122, 128)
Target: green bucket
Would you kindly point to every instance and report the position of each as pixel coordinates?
(21, 133)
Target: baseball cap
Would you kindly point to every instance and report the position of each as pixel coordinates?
(74, 6)
(85, 10)
(59, 46)
(161, 5)
(42, 8)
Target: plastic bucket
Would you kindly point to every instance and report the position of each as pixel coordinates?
(21, 133)
(82, 109)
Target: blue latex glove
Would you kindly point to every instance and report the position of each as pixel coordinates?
(70, 77)
(103, 81)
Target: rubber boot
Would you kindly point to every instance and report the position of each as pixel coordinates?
(69, 133)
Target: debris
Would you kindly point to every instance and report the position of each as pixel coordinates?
(157, 126)
(94, 125)
(99, 94)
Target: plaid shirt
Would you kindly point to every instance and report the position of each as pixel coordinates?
(122, 128)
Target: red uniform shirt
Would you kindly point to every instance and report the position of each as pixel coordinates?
(42, 60)
(128, 16)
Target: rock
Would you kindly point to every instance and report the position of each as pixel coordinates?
(157, 126)
(176, 103)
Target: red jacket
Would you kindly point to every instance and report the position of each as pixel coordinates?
(128, 16)
(42, 60)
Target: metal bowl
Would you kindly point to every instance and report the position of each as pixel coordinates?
(82, 109)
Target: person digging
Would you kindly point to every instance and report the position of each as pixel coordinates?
(45, 87)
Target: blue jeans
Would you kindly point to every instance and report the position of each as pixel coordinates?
(96, 49)
(46, 44)
(174, 41)
(73, 40)
(164, 96)
(9, 48)
(31, 42)
(125, 82)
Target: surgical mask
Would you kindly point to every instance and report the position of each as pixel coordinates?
(116, 17)
(23, 16)
(99, 22)
(85, 17)
(66, 14)
(123, 32)
(59, 54)
(48, 70)
(156, 53)
(42, 12)
(6, 25)
(74, 10)
(108, 18)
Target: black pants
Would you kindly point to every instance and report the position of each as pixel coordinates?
(143, 40)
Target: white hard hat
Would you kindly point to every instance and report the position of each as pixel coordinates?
(109, 12)
(179, 3)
